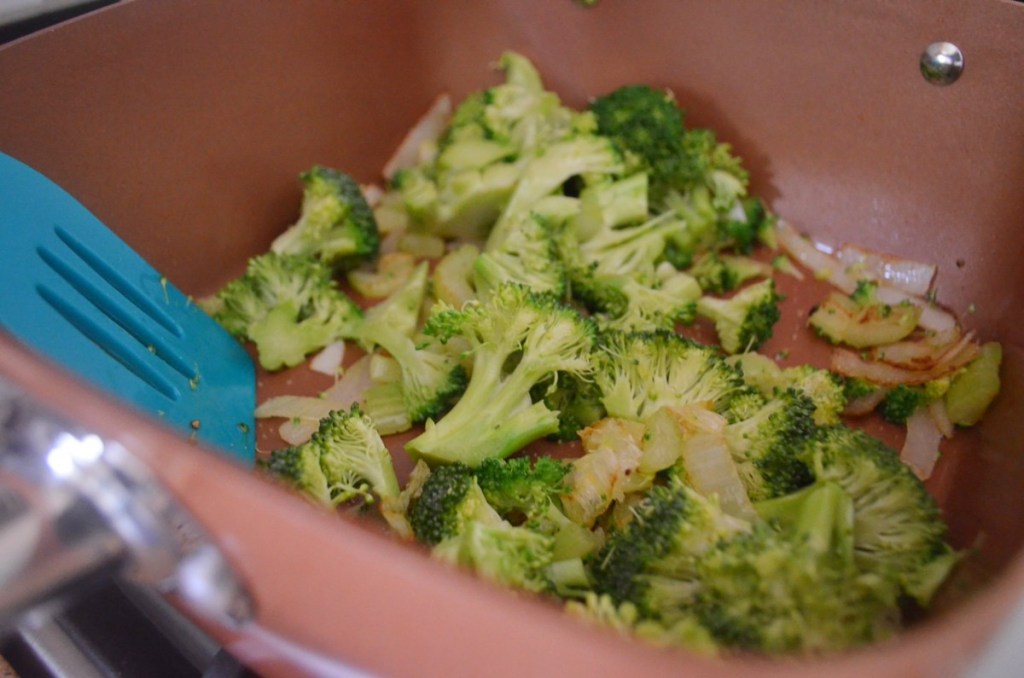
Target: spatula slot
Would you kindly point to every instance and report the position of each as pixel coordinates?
(119, 282)
(113, 345)
(113, 306)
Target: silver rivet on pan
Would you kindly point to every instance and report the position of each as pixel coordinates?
(942, 63)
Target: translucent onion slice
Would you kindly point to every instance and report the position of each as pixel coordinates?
(921, 354)
(921, 447)
(712, 472)
(851, 364)
(294, 407)
(427, 129)
(912, 277)
(937, 411)
(865, 405)
(303, 414)
(328, 360)
(821, 263)
(932, 317)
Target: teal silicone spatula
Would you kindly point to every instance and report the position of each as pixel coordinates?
(78, 294)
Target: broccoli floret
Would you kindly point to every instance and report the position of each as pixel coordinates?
(527, 256)
(652, 561)
(901, 402)
(289, 306)
(505, 554)
(522, 486)
(449, 498)
(825, 389)
(431, 378)
(518, 338)
(746, 320)
(577, 401)
(611, 204)
(453, 516)
(794, 588)
(648, 125)
(299, 466)
(721, 273)
(659, 306)
(344, 460)
(855, 388)
(765, 445)
(336, 223)
(898, 530)
(638, 373)
(686, 632)
(546, 173)
(787, 586)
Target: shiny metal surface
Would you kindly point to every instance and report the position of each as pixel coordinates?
(75, 509)
(942, 63)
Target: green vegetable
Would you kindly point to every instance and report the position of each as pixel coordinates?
(975, 387)
(518, 339)
(336, 224)
(344, 460)
(745, 320)
(289, 306)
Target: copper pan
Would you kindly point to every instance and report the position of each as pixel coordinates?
(182, 124)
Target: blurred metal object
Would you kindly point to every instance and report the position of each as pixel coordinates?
(942, 63)
(75, 509)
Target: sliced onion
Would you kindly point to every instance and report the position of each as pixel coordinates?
(298, 431)
(851, 364)
(303, 413)
(912, 277)
(350, 388)
(294, 407)
(866, 404)
(372, 193)
(823, 265)
(428, 128)
(932, 317)
(328, 360)
(712, 472)
(920, 354)
(921, 447)
(937, 411)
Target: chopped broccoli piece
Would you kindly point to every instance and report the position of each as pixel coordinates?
(344, 460)
(522, 486)
(795, 589)
(527, 256)
(766, 445)
(973, 389)
(577, 401)
(660, 306)
(336, 224)
(431, 378)
(652, 561)
(453, 516)
(898, 530)
(647, 123)
(518, 338)
(721, 273)
(746, 320)
(505, 554)
(546, 173)
(824, 388)
(289, 306)
(449, 498)
(638, 373)
(901, 402)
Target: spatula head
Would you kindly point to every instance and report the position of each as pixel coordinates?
(78, 294)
